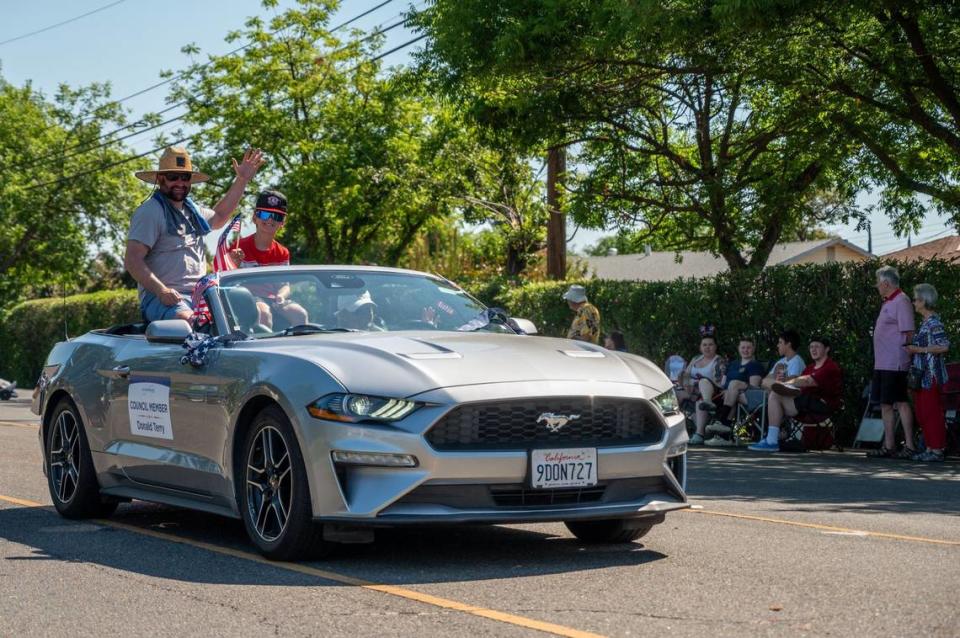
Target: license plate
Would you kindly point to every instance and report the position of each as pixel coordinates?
(575, 467)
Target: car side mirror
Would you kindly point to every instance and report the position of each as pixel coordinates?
(168, 331)
(526, 325)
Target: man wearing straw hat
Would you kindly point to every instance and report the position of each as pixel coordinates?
(165, 244)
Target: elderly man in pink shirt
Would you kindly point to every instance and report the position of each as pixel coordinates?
(891, 360)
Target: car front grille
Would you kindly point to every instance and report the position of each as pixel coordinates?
(520, 424)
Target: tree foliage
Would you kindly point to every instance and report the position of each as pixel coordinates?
(61, 201)
(368, 160)
(671, 128)
(884, 72)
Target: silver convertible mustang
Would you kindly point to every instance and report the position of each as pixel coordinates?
(323, 402)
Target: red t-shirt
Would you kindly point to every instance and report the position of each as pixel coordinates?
(829, 380)
(276, 255)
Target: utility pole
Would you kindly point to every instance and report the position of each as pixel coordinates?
(556, 225)
(869, 238)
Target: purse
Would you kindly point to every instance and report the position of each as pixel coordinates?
(915, 378)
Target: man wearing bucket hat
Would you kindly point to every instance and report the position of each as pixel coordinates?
(357, 312)
(586, 322)
(165, 251)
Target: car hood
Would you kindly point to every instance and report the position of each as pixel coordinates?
(408, 363)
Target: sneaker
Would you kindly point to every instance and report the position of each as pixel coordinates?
(719, 428)
(696, 439)
(707, 407)
(719, 441)
(927, 456)
(905, 454)
(763, 446)
(785, 389)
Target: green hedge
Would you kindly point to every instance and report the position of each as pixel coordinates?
(31, 328)
(661, 318)
(657, 318)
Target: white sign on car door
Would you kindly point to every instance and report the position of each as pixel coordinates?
(148, 402)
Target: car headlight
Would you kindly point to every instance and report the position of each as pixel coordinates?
(667, 402)
(352, 408)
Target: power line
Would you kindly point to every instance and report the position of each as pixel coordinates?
(184, 73)
(68, 178)
(139, 123)
(60, 24)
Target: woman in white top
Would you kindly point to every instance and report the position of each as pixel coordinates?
(702, 379)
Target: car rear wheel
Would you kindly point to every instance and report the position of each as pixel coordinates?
(70, 474)
(608, 531)
(276, 507)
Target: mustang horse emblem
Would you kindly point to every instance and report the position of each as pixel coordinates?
(555, 422)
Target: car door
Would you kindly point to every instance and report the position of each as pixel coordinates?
(168, 421)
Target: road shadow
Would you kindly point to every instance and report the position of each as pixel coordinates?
(825, 482)
(399, 556)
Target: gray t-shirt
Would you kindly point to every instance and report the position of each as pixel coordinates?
(177, 260)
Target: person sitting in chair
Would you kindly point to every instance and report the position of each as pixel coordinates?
(740, 375)
(701, 380)
(817, 390)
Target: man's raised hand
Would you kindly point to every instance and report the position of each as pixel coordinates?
(253, 159)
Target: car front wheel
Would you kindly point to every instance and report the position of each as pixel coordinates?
(608, 531)
(276, 504)
(70, 474)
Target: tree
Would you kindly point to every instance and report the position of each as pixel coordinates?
(64, 195)
(367, 159)
(672, 130)
(886, 73)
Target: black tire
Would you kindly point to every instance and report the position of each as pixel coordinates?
(608, 531)
(71, 477)
(274, 483)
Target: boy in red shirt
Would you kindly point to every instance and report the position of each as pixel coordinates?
(262, 249)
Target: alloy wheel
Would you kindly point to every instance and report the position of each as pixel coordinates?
(65, 456)
(269, 484)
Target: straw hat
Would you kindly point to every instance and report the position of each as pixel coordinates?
(175, 159)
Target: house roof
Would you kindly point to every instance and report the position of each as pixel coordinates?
(667, 266)
(946, 248)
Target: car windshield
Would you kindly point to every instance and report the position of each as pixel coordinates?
(281, 303)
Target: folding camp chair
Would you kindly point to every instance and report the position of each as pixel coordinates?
(950, 397)
(870, 429)
(750, 417)
(811, 431)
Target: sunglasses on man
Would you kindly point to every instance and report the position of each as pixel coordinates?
(269, 214)
(177, 177)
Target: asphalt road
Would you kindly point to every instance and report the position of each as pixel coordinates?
(814, 544)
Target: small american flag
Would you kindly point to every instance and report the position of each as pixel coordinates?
(201, 311)
(222, 260)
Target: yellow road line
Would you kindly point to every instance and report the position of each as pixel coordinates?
(14, 424)
(828, 528)
(392, 590)
(20, 501)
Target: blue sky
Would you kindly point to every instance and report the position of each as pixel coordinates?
(130, 43)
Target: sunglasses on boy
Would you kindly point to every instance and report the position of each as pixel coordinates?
(269, 214)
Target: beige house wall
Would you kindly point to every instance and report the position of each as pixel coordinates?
(828, 254)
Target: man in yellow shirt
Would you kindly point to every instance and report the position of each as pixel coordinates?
(586, 323)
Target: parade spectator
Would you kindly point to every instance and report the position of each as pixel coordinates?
(262, 249)
(586, 322)
(615, 341)
(165, 252)
(892, 334)
(701, 380)
(928, 366)
(818, 390)
(789, 365)
(742, 374)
